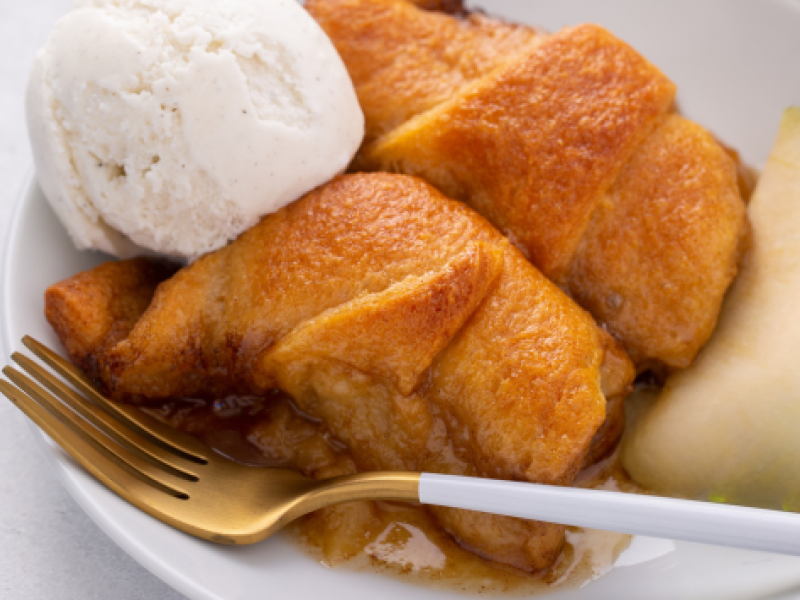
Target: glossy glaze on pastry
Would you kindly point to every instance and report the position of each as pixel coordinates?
(569, 145)
(412, 328)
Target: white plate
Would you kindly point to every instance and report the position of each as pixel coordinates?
(736, 65)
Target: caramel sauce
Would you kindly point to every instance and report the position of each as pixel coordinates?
(395, 539)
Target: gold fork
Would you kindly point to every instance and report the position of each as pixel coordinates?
(168, 473)
(175, 478)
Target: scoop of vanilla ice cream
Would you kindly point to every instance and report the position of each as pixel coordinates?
(173, 125)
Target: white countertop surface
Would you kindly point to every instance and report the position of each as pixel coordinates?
(49, 549)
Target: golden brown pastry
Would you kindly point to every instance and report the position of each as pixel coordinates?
(92, 311)
(420, 336)
(400, 79)
(568, 145)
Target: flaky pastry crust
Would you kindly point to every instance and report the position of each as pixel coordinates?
(419, 335)
(568, 143)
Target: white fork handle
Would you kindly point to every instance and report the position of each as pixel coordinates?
(688, 520)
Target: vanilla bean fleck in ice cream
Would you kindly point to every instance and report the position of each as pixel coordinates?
(173, 125)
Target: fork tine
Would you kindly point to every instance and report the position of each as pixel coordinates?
(160, 434)
(120, 455)
(117, 431)
(137, 490)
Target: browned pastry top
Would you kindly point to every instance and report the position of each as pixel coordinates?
(663, 245)
(410, 326)
(395, 81)
(534, 146)
(567, 144)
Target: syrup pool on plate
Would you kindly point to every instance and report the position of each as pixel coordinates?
(395, 539)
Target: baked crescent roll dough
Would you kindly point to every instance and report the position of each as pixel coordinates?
(420, 336)
(567, 144)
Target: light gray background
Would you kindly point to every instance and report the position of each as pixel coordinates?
(49, 549)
